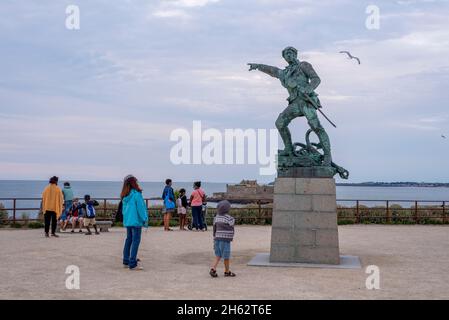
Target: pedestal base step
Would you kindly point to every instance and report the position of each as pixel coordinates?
(346, 262)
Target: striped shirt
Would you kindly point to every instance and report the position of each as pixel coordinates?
(224, 227)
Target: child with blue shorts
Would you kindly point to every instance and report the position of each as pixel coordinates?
(223, 236)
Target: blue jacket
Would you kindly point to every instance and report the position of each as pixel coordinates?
(168, 191)
(135, 212)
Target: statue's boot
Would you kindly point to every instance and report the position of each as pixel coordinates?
(287, 139)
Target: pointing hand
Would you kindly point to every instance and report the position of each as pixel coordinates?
(253, 66)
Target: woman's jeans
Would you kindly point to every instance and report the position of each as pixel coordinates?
(197, 215)
(133, 235)
(50, 216)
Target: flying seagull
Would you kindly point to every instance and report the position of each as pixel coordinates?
(351, 56)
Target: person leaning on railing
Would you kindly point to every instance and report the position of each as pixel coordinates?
(52, 205)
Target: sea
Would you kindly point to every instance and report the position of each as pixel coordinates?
(346, 195)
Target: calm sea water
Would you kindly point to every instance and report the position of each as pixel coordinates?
(99, 189)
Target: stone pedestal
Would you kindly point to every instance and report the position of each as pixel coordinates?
(305, 221)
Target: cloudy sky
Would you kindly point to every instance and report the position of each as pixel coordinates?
(100, 102)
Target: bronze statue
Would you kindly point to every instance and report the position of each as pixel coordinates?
(301, 80)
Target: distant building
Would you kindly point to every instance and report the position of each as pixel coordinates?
(245, 191)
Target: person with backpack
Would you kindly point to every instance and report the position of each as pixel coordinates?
(168, 196)
(197, 198)
(89, 214)
(135, 216)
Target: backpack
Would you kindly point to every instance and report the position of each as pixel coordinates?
(168, 203)
(90, 210)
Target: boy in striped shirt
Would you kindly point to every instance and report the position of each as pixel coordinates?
(223, 235)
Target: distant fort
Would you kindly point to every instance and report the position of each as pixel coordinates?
(246, 191)
(249, 191)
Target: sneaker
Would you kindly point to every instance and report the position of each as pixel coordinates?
(80, 231)
(96, 232)
(88, 233)
(125, 266)
(136, 268)
(47, 235)
(54, 235)
(73, 231)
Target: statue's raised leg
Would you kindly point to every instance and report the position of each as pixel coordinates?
(282, 123)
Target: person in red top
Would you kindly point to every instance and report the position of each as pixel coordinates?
(197, 198)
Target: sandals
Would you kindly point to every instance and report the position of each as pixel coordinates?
(213, 273)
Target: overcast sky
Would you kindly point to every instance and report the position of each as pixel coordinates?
(100, 102)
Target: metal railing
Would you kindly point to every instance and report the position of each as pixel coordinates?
(394, 211)
(359, 211)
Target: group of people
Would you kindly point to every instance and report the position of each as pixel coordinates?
(60, 205)
(57, 203)
(196, 202)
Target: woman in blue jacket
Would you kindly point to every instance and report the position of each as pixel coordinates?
(135, 216)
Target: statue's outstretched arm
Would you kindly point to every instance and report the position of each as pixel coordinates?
(270, 70)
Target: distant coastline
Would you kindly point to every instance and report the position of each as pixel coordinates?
(397, 184)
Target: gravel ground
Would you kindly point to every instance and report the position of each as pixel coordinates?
(413, 262)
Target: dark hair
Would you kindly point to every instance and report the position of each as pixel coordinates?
(289, 49)
(129, 184)
(168, 181)
(54, 180)
(66, 184)
(197, 184)
(182, 190)
(87, 197)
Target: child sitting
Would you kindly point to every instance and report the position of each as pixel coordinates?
(223, 235)
(76, 215)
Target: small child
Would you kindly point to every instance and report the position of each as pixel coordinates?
(65, 218)
(76, 215)
(89, 214)
(223, 235)
(182, 209)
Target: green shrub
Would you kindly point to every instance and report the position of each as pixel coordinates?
(156, 223)
(106, 212)
(3, 214)
(25, 217)
(16, 225)
(35, 225)
(345, 222)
